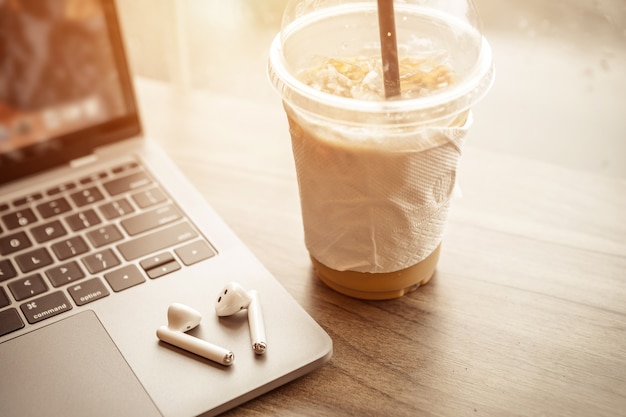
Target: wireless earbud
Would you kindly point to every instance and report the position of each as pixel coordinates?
(234, 298)
(180, 319)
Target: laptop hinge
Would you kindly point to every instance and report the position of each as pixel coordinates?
(85, 160)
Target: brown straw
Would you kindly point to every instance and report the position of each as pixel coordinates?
(389, 48)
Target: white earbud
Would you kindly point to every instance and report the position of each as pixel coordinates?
(181, 318)
(234, 298)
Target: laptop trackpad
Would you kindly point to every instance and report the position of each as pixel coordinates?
(69, 368)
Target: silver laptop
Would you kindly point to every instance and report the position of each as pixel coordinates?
(100, 233)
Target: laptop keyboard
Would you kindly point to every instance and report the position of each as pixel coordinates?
(81, 241)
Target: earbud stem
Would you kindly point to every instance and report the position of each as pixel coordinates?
(197, 346)
(255, 321)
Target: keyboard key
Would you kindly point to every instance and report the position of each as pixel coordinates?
(4, 298)
(87, 196)
(195, 252)
(127, 183)
(151, 219)
(88, 291)
(125, 167)
(4, 206)
(163, 269)
(53, 207)
(33, 259)
(48, 231)
(149, 197)
(45, 307)
(156, 241)
(70, 247)
(27, 199)
(159, 265)
(61, 188)
(7, 271)
(156, 260)
(64, 274)
(10, 321)
(104, 235)
(116, 209)
(94, 177)
(83, 220)
(27, 287)
(100, 261)
(14, 243)
(124, 278)
(19, 218)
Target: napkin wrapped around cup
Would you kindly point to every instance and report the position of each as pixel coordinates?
(370, 205)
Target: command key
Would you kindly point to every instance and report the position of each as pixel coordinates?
(45, 307)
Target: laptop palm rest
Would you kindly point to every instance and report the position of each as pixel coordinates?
(85, 373)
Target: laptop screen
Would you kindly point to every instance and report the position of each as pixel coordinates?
(64, 84)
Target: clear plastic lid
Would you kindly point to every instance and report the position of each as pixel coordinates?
(330, 51)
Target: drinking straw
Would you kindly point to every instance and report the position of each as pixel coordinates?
(389, 48)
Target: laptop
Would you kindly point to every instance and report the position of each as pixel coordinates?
(100, 233)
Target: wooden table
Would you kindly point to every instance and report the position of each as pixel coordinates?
(526, 314)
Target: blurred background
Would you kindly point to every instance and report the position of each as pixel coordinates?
(559, 94)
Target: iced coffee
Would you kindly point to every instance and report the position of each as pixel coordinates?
(376, 175)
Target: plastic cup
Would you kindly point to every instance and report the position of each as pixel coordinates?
(376, 175)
